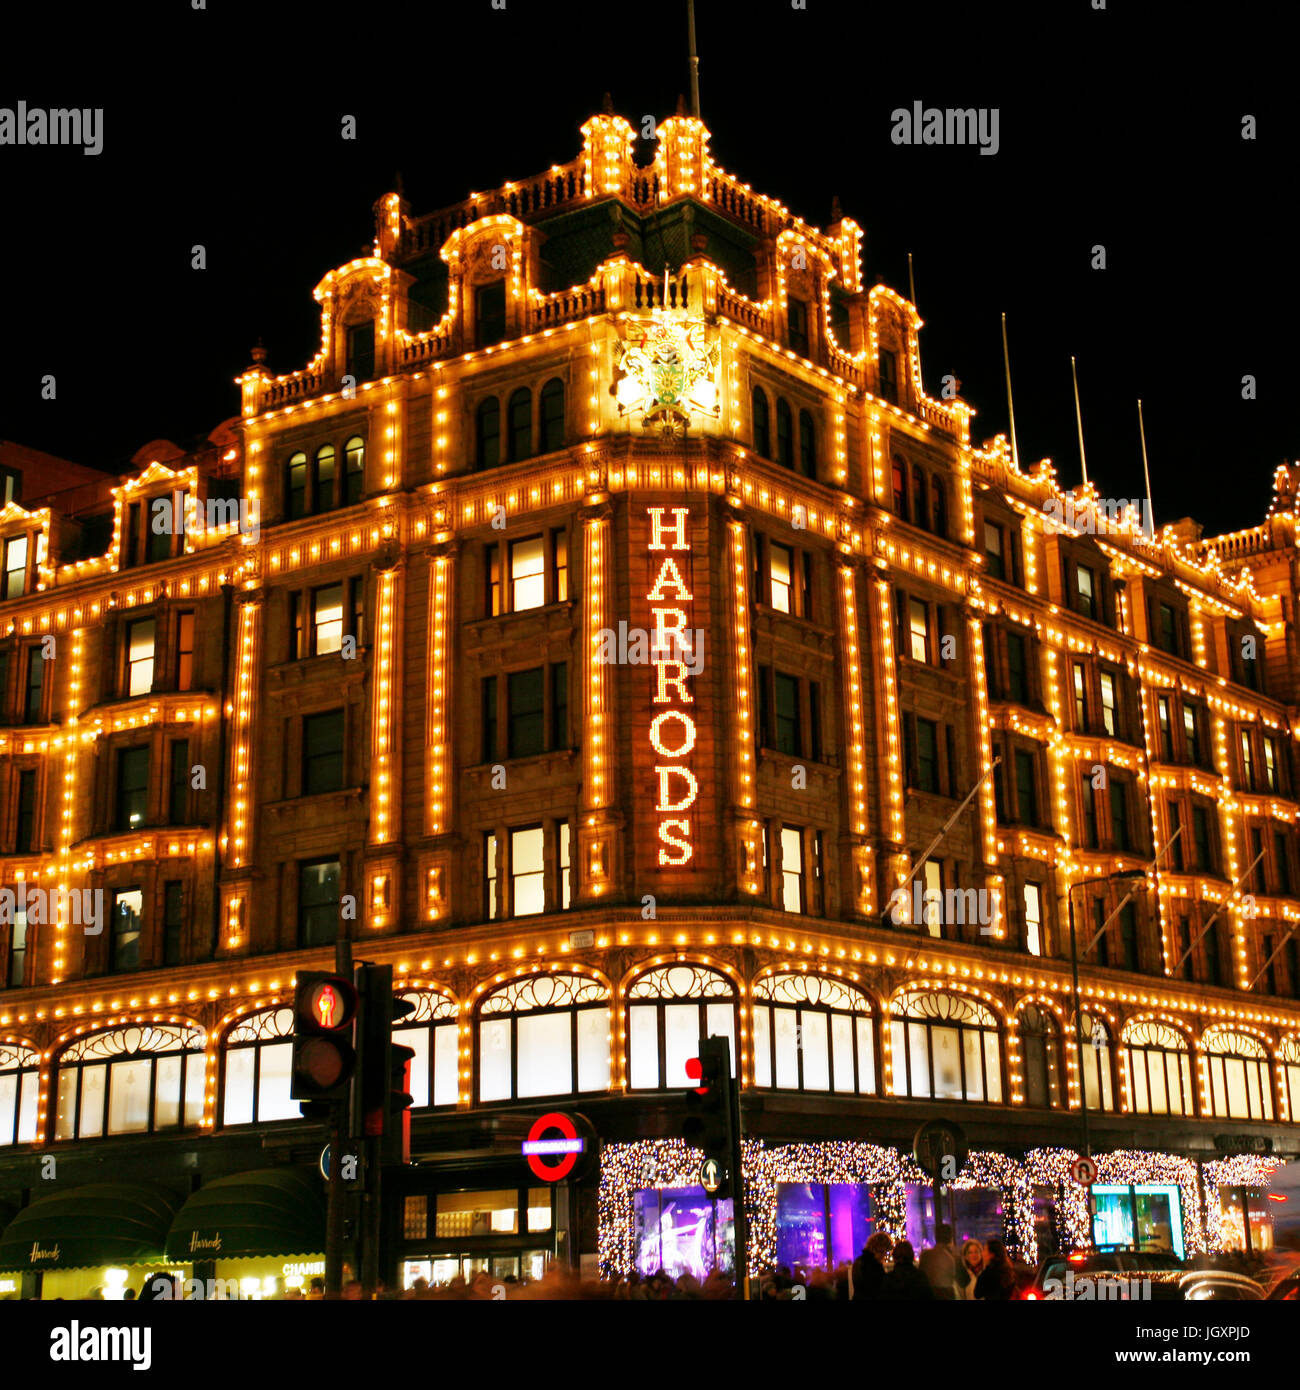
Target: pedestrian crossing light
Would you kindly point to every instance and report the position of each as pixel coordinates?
(324, 1009)
(711, 1121)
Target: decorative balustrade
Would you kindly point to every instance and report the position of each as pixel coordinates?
(743, 311)
(297, 387)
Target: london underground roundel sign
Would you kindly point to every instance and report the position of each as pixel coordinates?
(553, 1146)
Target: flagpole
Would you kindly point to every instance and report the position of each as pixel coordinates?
(1011, 409)
(1078, 415)
(695, 61)
(1146, 470)
(911, 284)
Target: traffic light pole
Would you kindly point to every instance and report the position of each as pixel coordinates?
(335, 1212)
(740, 1222)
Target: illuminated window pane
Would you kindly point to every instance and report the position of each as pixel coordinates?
(681, 1040)
(237, 1106)
(327, 615)
(785, 1025)
(494, 1059)
(528, 574)
(167, 1092)
(446, 1065)
(842, 1052)
(643, 1046)
(781, 567)
(720, 1022)
(128, 1097)
(866, 1058)
(65, 1126)
(417, 1039)
(1033, 919)
(762, 1026)
(526, 871)
(545, 1060)
(140, 644)
(815, 1046)
(593, 1049)
(273, 1099)
(791, 869)
(194, 1090)
(918, 630)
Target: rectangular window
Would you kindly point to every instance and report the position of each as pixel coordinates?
(1176, 858)
(178, 782)
(889, 375)
(1084, 581)
(357, 610)
(527, 872)
(1213, 957)
(765, 732)
(526, 730)
(1247, 760)
(1080, 705)
(789, 738)
(296, 500)
(918, 627)
(792, 886)
(34, 700)
(173, 921)
(994, 548)
(491, 877)
(1166, 729)
(1128, 936)
(494, 580)
(489, 716)
(1201, 837)
(1121, 833)
(1167, 636)
(815, 721)
(560, 705)
(927, 756)
(323, 484)
(297, 629)
(1033, 919)
(128, 923)
(132, 788)
(327, 619)
(25, 833)
(490, 313)
(527, 574)
(322, 753)
(797, 310)
(1258, 875)
(1089, 805)
(566, 864)
(17, 975)
(1191, 734)
(780, 559)
(16, 567)
(355, 472)
(932, 898)
(185, 651)
(139, 656)
(131, 557)
(1017, 669)
(158, 543)
(1026, 788)
(361, 350)
(1108, 719)
(1282, 859)
(318, 902)
(1270, 763)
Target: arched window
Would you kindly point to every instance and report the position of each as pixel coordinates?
(1159, 1069)
(547, 1035)
(762, 425)
(669, 1010)
(1241, 1081)
(487, 433)
(324, 482)
(945, 1047)
(784, 435)
(938, 507)
(900, 487)
(19, 1073)
(295, 486)
(521, 424)
(552, 415)
(807, 445)
(431, 1031)
(1288, 1058)
(130, 1080)
(257, 1065)
(1040, 1050)
(919, 514)
(812, 1033)
(354, 453)
(1098, 1073)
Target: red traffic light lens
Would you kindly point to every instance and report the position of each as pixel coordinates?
(323, 1061)
(695, 1070)
(326, 1005)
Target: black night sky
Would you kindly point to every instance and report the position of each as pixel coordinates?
(1120, 127)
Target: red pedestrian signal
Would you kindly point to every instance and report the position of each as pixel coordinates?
(695, 1070)
(324, 1007)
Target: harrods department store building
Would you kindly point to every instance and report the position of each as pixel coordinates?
(599, 628)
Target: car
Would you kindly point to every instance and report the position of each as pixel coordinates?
(1113, 1261)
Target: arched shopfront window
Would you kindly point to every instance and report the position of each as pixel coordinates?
(547, 1035)
(257, 1064)
(1241, 1081)
(812, 1033)
(669, 1010)
(432, 1032)
(1158, 1068)
(1288, 1058)
(1040, 1051)
(19, 1074)
(945, 1047)
(137, 1079)
(1098, 1065)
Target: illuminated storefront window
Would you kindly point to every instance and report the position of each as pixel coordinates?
(432, 1033)
(820, 1225)
(975, 1213)
(945, 1047)
(681, 1231)
(1241, 1084)
(1245, 1222)
(1159, 1069)
(19, 1074)
(812, 1033)
(132, 1080)
(257, 1064)
(1148, 1216)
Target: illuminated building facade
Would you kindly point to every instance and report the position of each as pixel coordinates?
(599, 629)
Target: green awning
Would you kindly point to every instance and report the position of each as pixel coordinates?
(274, 1211)
(104, 1223)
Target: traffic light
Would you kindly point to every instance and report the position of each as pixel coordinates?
(710, 1122)
(385, 1066)
(324, 1007)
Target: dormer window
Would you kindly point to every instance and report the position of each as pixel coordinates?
(889, 376)
(361, 350)
(15, 578)
(798, 318)
(490, 313)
